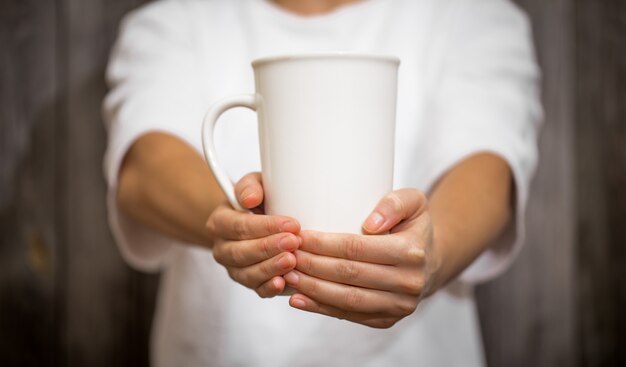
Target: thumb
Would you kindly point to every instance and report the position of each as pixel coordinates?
(249, 190)
(395, 207)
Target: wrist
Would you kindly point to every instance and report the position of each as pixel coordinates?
(441, 271)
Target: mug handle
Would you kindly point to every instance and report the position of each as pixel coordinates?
(208, 146)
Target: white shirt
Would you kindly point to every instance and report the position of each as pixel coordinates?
(467, 84)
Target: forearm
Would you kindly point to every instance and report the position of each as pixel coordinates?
(166, 185)
(470, 207)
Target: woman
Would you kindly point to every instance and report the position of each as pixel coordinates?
(467, 121)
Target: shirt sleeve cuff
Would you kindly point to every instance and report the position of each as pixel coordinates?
(495, 260)
(142, 248)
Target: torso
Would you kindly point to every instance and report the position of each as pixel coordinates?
(204, 318)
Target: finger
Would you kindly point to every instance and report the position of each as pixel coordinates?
(376, 320)
(390, 249)
(248, 252)
(228, 223)
(271, 288)
(394, 208)
(361, 274)
(249, 190)
(349, 298)
(257, 274)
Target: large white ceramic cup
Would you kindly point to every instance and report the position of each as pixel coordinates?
(326, 130)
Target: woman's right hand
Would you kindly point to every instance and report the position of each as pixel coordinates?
(256, 249)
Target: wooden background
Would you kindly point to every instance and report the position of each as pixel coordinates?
(66, 298)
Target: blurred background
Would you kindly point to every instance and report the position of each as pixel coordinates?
(66, 297)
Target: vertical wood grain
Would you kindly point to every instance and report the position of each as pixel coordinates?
(528, 315)
(66, 298)
(99, 287)
(28, 207)
(601, 175)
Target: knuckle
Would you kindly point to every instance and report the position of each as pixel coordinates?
(394, 201)
(243, 277)
(210, 226)
(234, 274)
(305, 263)
(267, 270)
(354, 247)
(261, 293)
(240, 226)
(264, 291)
(265, 247)
(218, 254)
(310, 241)
(341, 314)
(414, 254)
(382, 323)
(237, 255)
(214, 223)
(269, 225)
(353, 299)
(412, 285)
(405, 307)
(347, 271)
(312, 289)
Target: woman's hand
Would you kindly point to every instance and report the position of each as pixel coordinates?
(256, 249)
(375, 279)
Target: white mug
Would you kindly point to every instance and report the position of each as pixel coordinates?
(326, 129)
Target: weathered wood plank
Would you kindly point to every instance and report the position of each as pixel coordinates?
(28, 236)
(527, 315)
(601, 176)
(106, 312)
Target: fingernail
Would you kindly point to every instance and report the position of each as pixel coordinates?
(284, 262)
(298, 303)
(374, 222)
(287, 243)
(292, 278)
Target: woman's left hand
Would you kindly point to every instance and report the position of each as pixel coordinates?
(376, 279)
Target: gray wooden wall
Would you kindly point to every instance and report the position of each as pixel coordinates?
(66, 298)
(560, 303)
(529, 314)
